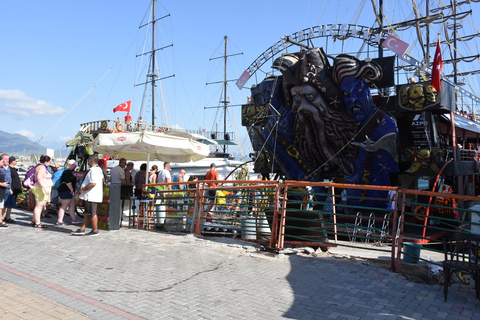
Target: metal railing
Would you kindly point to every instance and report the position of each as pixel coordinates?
(112, 126)
(320, 215)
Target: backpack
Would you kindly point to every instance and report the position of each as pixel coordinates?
(29, 180)
(57, 178)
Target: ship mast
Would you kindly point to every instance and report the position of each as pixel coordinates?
(224, 99)
(152, 76)
(152, 73)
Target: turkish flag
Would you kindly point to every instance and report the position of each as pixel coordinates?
(125, 107)
(243, 79)
(396, 45)
(437, 68)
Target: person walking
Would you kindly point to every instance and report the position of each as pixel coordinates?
(117, 175)
(42, 189)
(91, 192)
(16, 188)
(8, 179)
(164, 175)
(152, 175)
(3, 187)
(128, 172)
(66, 192)
(140, 181)
(179, 178)
(212, 174)
(102, 164)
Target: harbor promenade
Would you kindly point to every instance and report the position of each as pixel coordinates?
(136, 274)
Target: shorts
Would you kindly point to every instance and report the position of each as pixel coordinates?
(212, 193)
(40, 194)
(10, 201)
(91, 208)
(65, 195)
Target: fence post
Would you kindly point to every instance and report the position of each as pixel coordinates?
(400, 236)
(274, 235)
(197, 211)
(334, 211)
(283, 213)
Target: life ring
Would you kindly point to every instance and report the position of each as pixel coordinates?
(159, 130)
(103, 125)
(119, 127)
(420, 210)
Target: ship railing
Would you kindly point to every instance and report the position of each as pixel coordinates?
(287, 214)
(469, 155)
(115, 126)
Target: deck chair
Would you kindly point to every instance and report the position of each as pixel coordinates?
(461, 254)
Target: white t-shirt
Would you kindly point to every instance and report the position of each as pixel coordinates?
(163, 175)
(95, 194)
(118, 173)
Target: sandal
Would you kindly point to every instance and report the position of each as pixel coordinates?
(39, 226)
(32, 223)
(3, 224)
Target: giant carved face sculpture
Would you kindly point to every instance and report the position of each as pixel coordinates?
(321, 127)
(357, 98)
(320, 130)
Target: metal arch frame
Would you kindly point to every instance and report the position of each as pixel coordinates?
(372, 36)
(341, 31)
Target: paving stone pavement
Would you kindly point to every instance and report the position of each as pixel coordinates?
(135, 274)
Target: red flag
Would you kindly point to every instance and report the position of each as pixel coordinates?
(437, 67)
(396, 45)
(125, 107)
(243, 79)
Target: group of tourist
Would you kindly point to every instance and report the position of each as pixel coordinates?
(91, 189)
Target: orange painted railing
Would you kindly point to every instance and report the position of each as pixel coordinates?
(282, 214)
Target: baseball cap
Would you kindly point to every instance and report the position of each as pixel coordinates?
(11, 159)
(213, 165)
(71, 161)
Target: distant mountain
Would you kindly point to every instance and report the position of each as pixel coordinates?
(19, 145)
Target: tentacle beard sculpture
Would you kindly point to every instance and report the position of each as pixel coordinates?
(322, 127)
(376, 140)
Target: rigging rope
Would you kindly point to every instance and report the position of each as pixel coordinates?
(86, 94)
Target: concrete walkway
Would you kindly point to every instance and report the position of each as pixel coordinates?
(135, 274)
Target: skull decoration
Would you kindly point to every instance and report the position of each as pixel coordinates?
(430, 94)
(404, 96)
(416, 97)
(425, 159)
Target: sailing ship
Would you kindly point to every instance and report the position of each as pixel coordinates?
(87, 140)
(312, 117)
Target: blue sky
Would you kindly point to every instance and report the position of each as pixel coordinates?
(54, 52)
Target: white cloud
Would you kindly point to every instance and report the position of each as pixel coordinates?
(19, 105)
(26, 133)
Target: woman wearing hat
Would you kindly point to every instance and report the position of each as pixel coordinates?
(66, 192)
